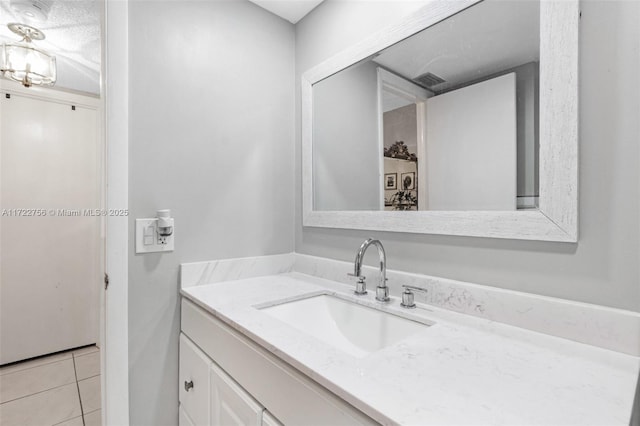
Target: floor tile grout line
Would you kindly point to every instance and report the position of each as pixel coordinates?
(78, 387)
(53, 388)
(89, 377)
(64, 421)
(36, 366)
(94, 349)
(86, 354)
(39, 392)
(43, 357)
(71, 353)
(64, 356)
(91, 412)
(71, 356)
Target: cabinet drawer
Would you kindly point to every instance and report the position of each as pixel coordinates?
(230, 404)
(194, 382)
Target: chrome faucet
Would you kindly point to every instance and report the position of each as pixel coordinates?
(382, 291)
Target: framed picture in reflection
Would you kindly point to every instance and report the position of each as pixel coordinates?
(408, 180)
(390, 181)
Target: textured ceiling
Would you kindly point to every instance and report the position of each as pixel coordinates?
(73, 35)
(484, 39)
(73, 31)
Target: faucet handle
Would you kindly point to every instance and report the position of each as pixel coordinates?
(408, 296)
(361, 285)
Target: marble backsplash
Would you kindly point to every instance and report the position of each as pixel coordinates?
(200, 273)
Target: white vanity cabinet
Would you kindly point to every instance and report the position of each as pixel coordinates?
(245, 384)
(209, 396)
(269, 420)
(230, 404)
(183, 417)
(195, 388)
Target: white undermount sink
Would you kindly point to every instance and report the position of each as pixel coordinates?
(356, 329)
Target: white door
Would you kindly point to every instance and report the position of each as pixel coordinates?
(50, 279)
(230, 404)
(471, 147)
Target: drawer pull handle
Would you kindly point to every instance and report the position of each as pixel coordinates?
(188, 385)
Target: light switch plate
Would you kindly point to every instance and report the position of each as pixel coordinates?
(147, 232)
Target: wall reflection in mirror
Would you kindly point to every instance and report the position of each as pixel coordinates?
(445, 120)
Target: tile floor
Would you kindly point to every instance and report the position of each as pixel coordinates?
(61, 389)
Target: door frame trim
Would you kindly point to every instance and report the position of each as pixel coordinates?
(115, 359)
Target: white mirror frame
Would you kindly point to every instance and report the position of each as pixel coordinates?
(557, 216)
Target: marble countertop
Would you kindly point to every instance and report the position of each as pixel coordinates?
(461, 370)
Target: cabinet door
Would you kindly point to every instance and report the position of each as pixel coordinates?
(269, 420)
(230, 404)
(194, 382)
(183, 417)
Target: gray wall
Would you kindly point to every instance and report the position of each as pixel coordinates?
(603, 267)
(401, 124)
(347, 157)
(527, 102)
(211, 138)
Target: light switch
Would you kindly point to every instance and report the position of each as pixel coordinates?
(149, 232)
(147, 238)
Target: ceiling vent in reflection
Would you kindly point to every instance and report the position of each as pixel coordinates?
(428, 80)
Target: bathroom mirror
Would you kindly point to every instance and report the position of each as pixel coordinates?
(460, 120)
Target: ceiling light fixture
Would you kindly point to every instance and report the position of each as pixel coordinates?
(32, 10)
(23, 62)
